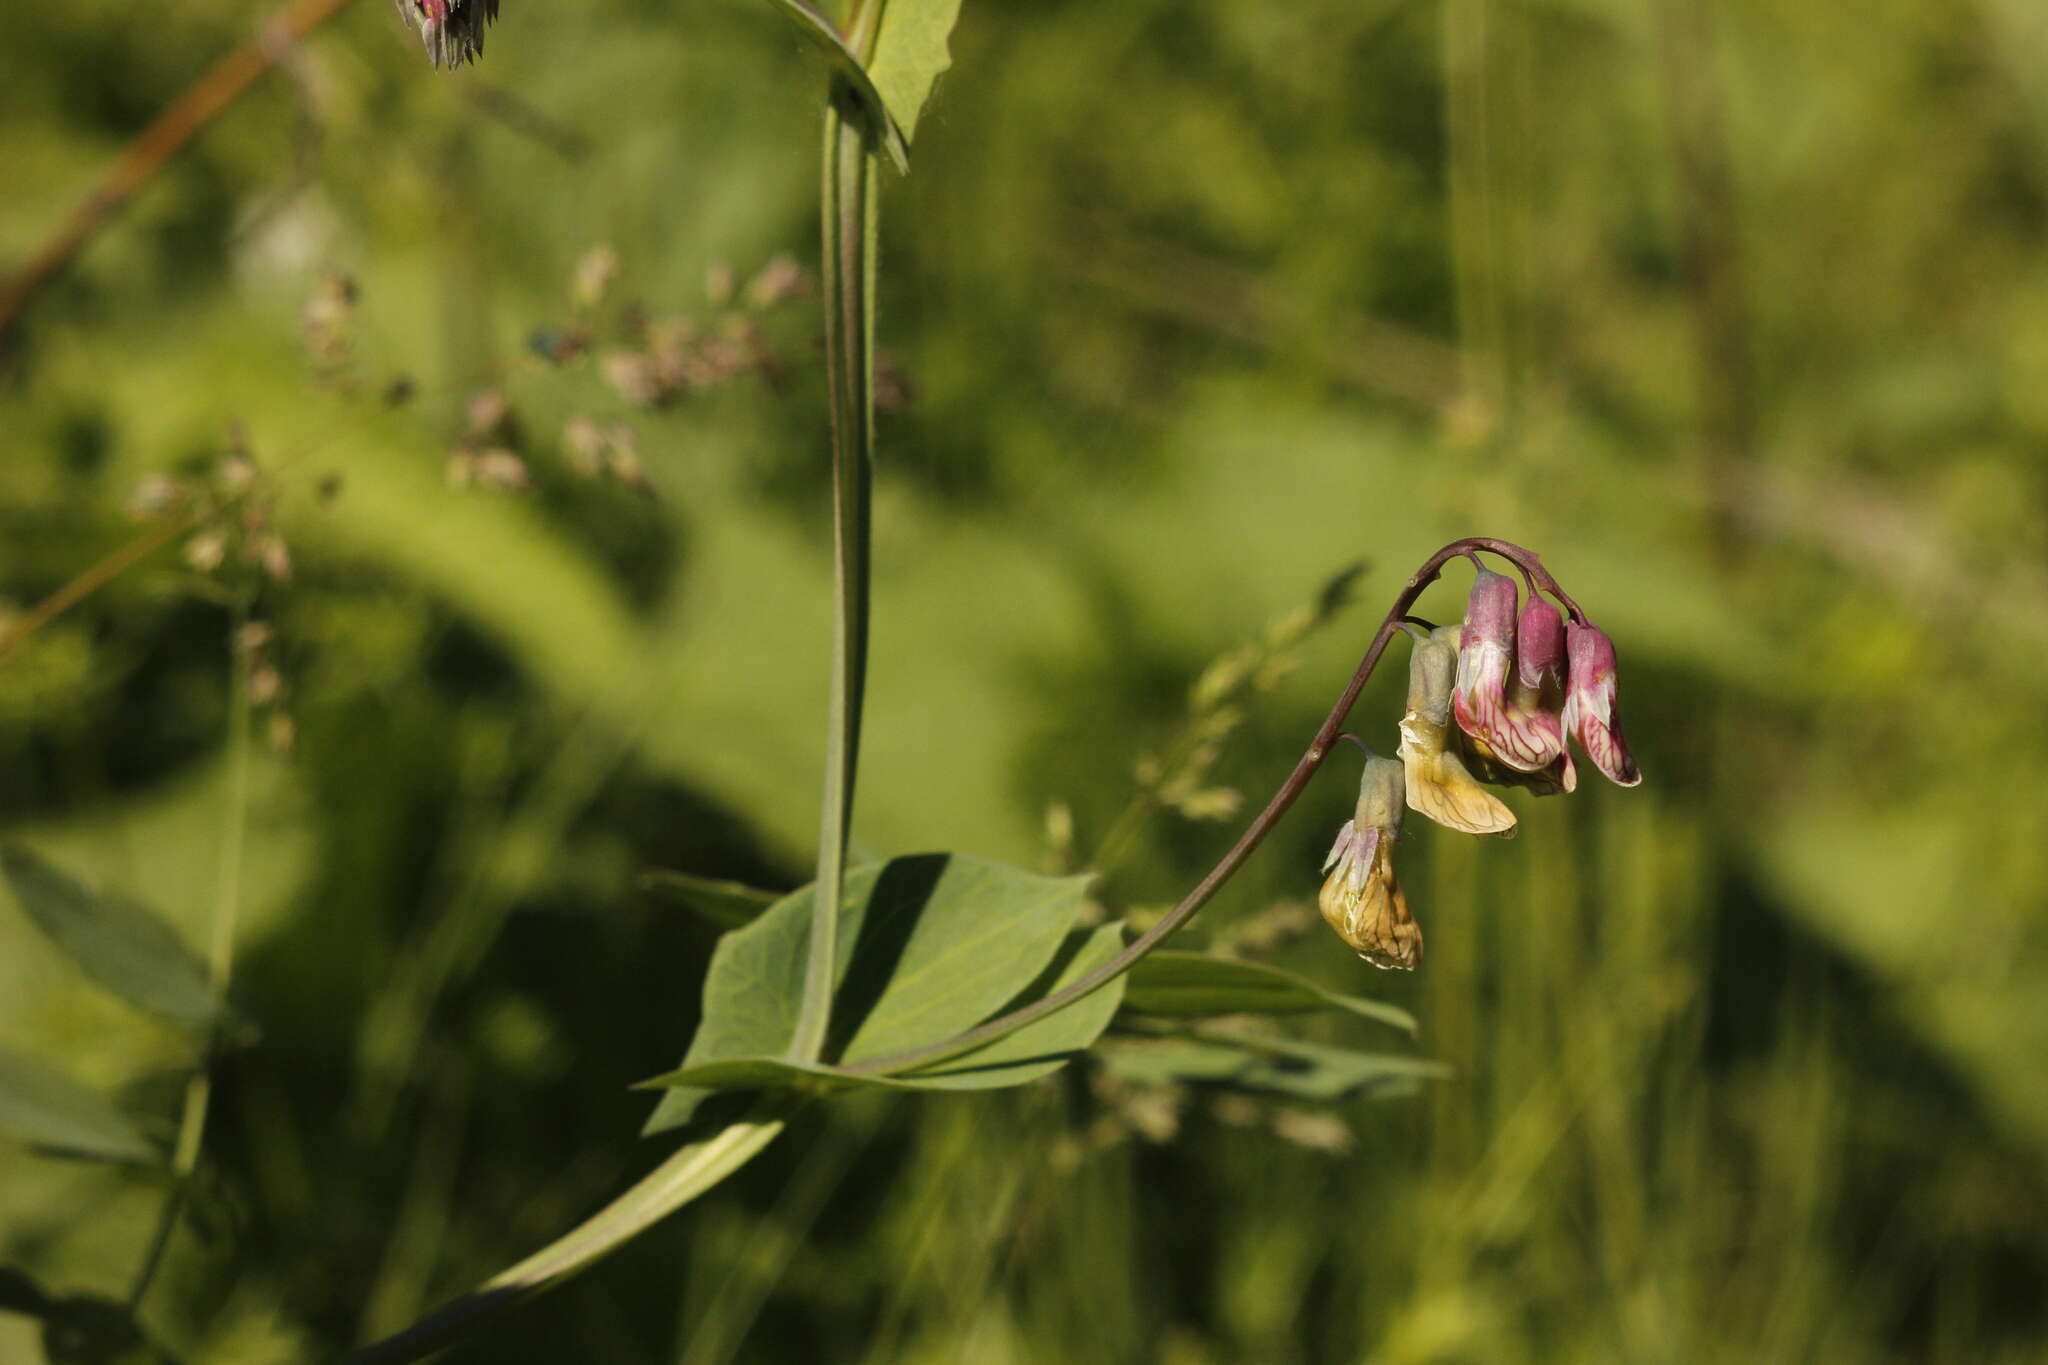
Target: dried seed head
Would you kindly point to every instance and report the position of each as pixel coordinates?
(452, 31)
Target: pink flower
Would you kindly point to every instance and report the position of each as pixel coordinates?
(1590, 702)
(1511, 676)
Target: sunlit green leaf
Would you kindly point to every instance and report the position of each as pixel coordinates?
(727, 904)
(930, 945)
(1279, 1066)
(1037, 1049)
(911, 52)
(1171, 983)
(124, 946)
(49, 1109)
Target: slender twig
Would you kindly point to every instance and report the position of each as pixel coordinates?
(224, 83)
(92, 580)
(220, 960)
(1254, 834)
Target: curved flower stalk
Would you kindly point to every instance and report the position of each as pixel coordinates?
(1361, 899)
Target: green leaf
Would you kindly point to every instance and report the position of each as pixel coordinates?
(49, 1109)
(1038, 1049)
(1178, 984)
(727, 904)
(818, 31)
(911, 52)
(124, 946)
(1278, 1066)
(933, 944)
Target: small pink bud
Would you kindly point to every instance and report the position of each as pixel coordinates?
(1589, 707)
(1539, 645)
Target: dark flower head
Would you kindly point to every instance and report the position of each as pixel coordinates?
(452, 30)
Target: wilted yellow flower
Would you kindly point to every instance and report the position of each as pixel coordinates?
(1439, 785)
(1360, 899)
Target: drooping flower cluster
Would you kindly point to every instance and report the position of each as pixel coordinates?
(452, 30)
(1491, 700)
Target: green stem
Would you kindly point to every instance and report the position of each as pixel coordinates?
(848, 270)
(220, 961)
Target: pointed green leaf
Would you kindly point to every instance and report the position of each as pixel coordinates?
(49, 1109)
(727, 904)
(931, 945)
(911, 51)
(1036, 1050)
(1178, 984)
(124, 946)
(1277, 1066)
(819, 32)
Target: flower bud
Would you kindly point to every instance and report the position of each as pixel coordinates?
(1360, 899)
(1439, 786)
(1590, 694)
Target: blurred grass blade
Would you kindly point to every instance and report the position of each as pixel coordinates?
(49, 1109)
(1174, 984)
(727, 904)
(912, 51)
(818, 31)
(1274, 1066)
(692, 1170)
(122, 945)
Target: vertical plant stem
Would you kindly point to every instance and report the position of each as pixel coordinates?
(220, 960)
(848, 272)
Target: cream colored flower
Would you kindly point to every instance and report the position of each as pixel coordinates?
(1439, 785)
(1361, 899)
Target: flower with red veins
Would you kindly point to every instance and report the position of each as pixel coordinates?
(1360, 899)
(452, 30)
(1589, 705)
(1439, 785)
(1499, 698)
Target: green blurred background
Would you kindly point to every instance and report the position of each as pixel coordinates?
(1737, 311)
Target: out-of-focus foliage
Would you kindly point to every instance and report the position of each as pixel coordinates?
(1738, 312)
